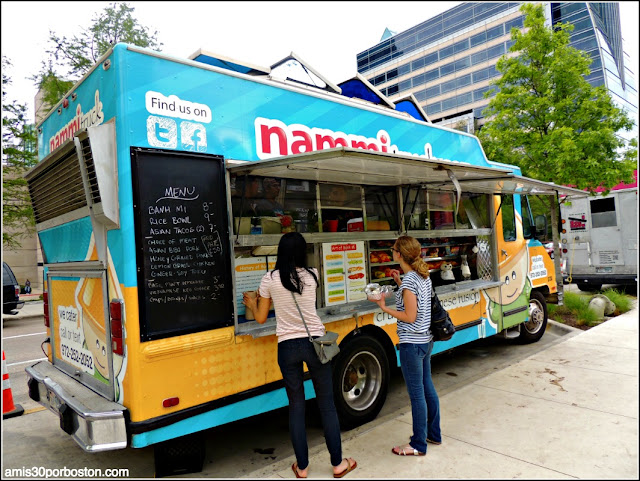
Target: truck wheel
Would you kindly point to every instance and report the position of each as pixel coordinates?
(533, 329)
(182, 455)
(588, 286)
(360, 381)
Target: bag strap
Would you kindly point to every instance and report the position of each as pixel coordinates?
(301, 316)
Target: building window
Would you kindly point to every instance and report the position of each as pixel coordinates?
(461, 46)
(432, 75)
(496, 50)
(516, 22)
(478, 57)
(420, 96)
(462, 63)
(495, 32)
(434, 108)
(446, 52)
(447, 69)
(418, 80)
(404, 85)
(478, 39)
(463, 81)
(451, 103)
(448, 86)
(465, 98)
(432, 92)
(480, 75)
(431, 58)
(416, 64)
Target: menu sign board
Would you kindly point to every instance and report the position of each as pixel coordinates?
(182, 239)
(345, 273)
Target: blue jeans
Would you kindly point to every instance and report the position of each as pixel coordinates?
(415, 362)
(291, 355)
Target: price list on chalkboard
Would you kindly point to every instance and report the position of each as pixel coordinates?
(184, 279)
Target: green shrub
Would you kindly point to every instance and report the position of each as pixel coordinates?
(620, 299)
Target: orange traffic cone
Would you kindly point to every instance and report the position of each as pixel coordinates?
(9, 409)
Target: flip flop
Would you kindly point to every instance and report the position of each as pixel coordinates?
(350, 467)
(406, 451)
(294, 467)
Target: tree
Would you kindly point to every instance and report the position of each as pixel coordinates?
(76, 55)
(18, 156)
(548, 120)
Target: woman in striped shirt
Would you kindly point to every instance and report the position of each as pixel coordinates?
(291, 277)
(413, 312)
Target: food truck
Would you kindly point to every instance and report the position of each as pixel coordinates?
(600, 237)
(163, 189)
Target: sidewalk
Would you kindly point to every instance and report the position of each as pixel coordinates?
(570, 411)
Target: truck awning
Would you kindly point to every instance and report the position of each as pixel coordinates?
(356, 166)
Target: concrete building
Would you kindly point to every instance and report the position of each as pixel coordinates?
(448, 61)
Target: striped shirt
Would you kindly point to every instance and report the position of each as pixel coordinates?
(417, 332)
(288, 322)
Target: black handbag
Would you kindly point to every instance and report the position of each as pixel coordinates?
(442, 328)
(326, 346)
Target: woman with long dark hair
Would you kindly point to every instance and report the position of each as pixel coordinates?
(413, 312)
(291, 277)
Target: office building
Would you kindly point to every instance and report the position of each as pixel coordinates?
(447, 62)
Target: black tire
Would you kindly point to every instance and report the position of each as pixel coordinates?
(360, 381)
(588, 286)
(182, 455)
(533, 329)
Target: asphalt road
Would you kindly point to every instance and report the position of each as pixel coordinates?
(234, 450)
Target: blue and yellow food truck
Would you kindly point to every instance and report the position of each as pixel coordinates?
(163, 188)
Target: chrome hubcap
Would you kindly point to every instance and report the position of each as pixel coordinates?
(361, 381)
(536, 317)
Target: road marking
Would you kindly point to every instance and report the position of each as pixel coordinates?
(27, 362)
(25, 335)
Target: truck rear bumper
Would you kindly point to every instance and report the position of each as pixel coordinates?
(94, 422)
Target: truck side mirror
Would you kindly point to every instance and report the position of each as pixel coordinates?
(540, 225)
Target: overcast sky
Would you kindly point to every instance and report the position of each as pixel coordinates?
(327, 35)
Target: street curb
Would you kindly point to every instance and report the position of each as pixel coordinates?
(562, 327)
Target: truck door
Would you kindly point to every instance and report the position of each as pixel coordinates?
(80, 328)
(513, 263)
(606, 238)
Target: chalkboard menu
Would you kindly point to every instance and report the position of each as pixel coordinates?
(182, 242)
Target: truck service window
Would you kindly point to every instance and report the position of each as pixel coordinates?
(603, 212)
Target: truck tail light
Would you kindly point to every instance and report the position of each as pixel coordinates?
(115, 311)
(17, 291)
(45, 306)
(170, 402)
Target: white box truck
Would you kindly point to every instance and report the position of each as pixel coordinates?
(600, 237)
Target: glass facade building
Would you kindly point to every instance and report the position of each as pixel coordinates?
(447, 62)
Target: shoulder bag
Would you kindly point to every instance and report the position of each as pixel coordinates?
(441, 326)
(326, 346)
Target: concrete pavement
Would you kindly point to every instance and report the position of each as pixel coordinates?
(570, 411)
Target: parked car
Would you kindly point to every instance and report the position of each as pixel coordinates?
(10, 291)
(549, 248)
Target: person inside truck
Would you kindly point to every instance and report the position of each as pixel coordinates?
(244, 198)
(269, 205)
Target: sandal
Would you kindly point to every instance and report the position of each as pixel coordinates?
(350, 467)
(407, 450)
(294, 467)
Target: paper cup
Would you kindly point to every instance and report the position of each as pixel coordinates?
(248, 314)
